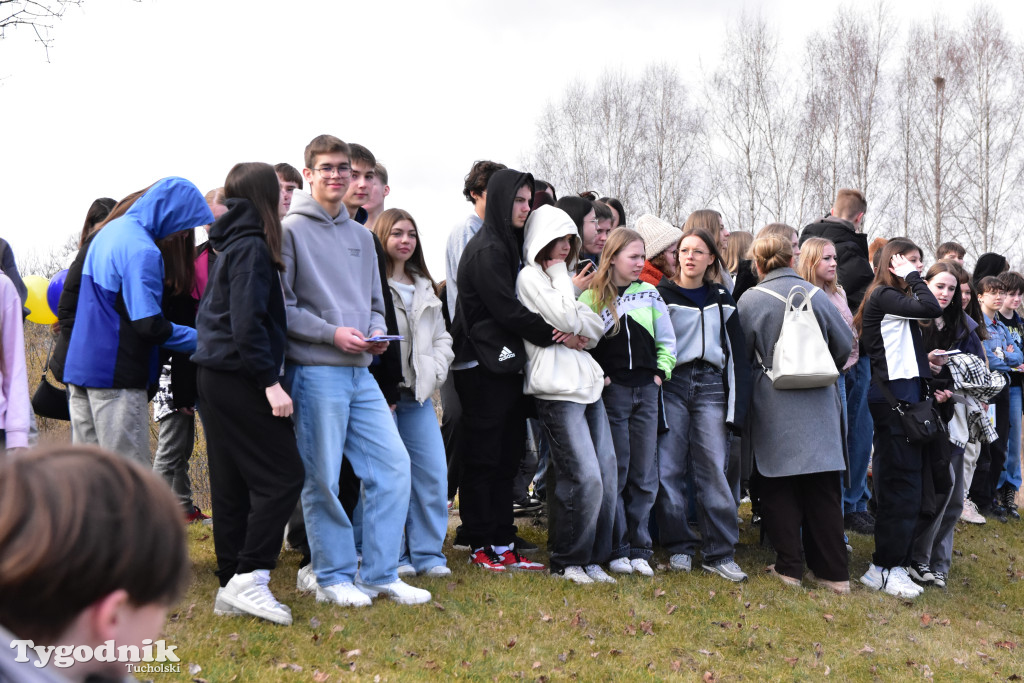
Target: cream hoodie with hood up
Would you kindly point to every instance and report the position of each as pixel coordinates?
(557, 373)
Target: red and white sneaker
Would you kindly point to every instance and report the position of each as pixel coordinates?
(513, 560)
(486, 558)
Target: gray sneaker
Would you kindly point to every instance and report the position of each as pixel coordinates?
(680, 562)
(727, 569)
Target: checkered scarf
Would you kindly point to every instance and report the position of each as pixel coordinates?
(973, 378)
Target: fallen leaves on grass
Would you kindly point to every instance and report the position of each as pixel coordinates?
(320, 676)
(544, 617)
(289, 666)
(828, 617)
(671, 609)
(926, 619)
(647, 627)
(791, 660)
(511, 644)
(866, 650)
(1007, 644)
(658, 592)
(194, 669)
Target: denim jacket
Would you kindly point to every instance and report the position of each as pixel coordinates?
(999, 359)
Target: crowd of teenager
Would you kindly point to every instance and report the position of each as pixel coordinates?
(632, 360)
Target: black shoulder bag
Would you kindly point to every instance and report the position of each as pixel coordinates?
(49, 401)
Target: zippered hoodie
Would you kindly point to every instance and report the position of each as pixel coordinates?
(241, 322)
(645, 344)
(488, 270)
(712, 334)
(120, 316)
(331, 280)
(557, 373)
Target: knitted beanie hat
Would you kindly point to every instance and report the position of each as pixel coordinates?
(658, 235)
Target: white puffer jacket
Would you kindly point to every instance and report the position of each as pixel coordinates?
(427, 349)
(557, 373)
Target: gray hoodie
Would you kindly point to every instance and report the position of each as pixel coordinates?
(331, 280)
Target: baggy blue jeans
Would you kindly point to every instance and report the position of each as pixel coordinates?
(340, 410)
(582, 505)
(633, 418)
(697, 440)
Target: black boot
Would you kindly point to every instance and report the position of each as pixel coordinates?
(1009, 502)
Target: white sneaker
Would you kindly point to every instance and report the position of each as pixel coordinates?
(641, 567)
(893, 581)
(970, 513)
(680, 563)
(406, 570)
(438, 570)
(223, 609)
(344, 594)
(399, 591)
(620, 565)
(305, 580)
(598, 574)
(249, 593)
(574, 574)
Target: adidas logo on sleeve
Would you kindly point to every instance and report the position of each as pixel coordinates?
(506, 354)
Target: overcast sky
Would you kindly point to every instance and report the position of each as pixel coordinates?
(135, 91)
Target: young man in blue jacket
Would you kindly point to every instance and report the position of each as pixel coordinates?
(120, 320)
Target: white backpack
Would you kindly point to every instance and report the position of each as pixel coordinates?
(801, 359)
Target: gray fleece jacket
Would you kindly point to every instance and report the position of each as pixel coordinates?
(331, 280)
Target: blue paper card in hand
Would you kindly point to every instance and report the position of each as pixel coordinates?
(385, 338)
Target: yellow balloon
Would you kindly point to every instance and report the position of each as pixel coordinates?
(39, 310)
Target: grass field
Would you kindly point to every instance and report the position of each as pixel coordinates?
(674, 626)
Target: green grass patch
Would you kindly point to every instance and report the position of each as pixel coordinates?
(695, 626)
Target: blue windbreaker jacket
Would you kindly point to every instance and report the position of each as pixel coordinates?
(119, 320)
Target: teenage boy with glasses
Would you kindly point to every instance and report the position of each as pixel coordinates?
(335, 305)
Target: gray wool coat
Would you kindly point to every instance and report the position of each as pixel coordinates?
(792, 431)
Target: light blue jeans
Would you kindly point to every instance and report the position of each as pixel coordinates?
(697, 441)
(341, 410)
(1011, 470)
(427, 522)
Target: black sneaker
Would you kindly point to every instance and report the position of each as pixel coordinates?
(526, 506)
(1009, 495)
(940, 579)
(524, 546)
(921, 573)
(859, 523)
(996, 510)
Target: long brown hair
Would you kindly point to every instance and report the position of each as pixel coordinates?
(603, 288)
(737, 249)
(416, 264)
(98, 210)
(179, 254)
(884, 277)
(257, 182)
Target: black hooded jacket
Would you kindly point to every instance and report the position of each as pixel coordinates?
(241, 323)
(853, 270)
(488, 270)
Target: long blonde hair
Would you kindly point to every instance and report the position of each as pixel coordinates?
(602, 288)
(811, 253)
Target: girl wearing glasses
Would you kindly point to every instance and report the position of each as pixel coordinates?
(705, 399)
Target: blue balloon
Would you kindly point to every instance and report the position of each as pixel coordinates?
(53, 291)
